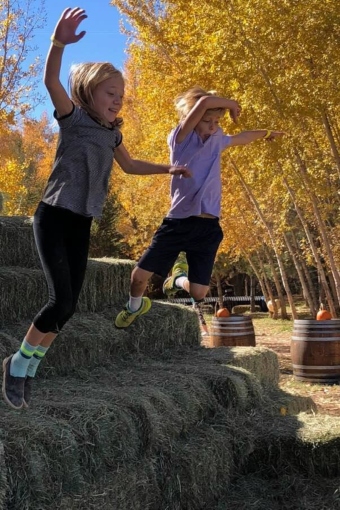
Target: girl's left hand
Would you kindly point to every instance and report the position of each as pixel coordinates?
(65, 30)
(180, 170)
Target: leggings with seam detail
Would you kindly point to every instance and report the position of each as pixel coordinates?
(62, 238)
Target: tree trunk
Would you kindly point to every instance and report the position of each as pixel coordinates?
(322, 229)
(321, 272)
(311, 287)
(273, 242)
(252, 294)
(331, 140)
(301, 276)
(219, 290)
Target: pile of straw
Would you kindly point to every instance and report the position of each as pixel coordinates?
(17, 246)
(297, 467)
(23, 291)
(147, 433)
(260, 361)
(3, 478)
(91, 340)
(135, 418)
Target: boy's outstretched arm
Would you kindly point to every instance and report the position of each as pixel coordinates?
(198, 111)
(139, 167)
(246, 137)
(64, 33)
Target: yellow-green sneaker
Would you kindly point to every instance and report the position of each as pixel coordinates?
(126, 317)
(169, 286)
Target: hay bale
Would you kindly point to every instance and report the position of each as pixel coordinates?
(260, 361)
(291, 490)
(308, 443)
(232, 387)
(38, 450)
(142, 421)
(90, 340)
(92, 433)
(286, 403)
(250, 381)
(185, 434)
(8, 344)
(3, 477)
(107, 283)
(23, 291)
(240, 309)
(17, 246)
(129, 487)
(205, 464)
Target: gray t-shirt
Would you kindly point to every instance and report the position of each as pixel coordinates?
(83, 163)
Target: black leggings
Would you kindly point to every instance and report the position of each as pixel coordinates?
(62, 238)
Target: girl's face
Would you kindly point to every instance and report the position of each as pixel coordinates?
(108, 98)
(208, 125)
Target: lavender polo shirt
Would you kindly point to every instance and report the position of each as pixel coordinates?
(200, 193)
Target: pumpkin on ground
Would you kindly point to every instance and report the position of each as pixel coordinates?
(323, 315)
(223, 312)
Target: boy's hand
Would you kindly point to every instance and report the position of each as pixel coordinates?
(273, 135)
(65, 30)
(180, 170)
(234, 110)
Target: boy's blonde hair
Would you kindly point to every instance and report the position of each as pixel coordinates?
(186, 101)
(83, 80)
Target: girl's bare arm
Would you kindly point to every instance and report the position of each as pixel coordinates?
(64, 33)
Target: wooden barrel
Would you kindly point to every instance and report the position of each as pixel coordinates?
(315, 350)
(236, 330)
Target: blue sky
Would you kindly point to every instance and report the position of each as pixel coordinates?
(102, 42)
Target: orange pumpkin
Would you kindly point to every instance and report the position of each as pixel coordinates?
(323, 315)
(223, 312)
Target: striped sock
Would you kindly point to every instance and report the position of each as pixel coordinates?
(21, 359)
(35, 360)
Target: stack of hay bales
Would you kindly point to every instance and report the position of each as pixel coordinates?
(146, 418)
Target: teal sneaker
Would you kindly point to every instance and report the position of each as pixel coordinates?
(169, 286)
(126, 317)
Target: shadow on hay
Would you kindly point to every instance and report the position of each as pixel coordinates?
(142, 433)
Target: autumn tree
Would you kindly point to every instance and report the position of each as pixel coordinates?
(280, 60)
(19, 69)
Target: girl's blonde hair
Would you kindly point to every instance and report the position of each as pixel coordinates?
(83, 80)
(186, 101)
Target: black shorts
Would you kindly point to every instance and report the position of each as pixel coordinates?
(198, 237)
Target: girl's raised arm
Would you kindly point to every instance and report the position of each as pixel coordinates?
(64, 33)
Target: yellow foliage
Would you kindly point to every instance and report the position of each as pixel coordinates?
(11, 185)
(280, 60)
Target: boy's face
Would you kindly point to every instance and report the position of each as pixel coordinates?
(208, 124)
(108, 98)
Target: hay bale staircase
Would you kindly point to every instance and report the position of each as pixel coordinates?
(147, 419)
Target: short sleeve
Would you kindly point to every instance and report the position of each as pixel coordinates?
(70, 119)
(225, 141)
(119, 138)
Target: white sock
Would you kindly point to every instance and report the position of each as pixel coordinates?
(179, 282)
(135, 303)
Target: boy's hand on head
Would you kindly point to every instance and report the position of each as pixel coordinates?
(234, 110)
(65, 30)
(180, 170)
